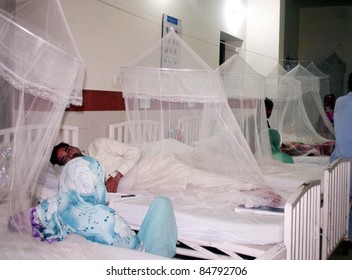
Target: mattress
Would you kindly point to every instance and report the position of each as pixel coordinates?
(196, 221)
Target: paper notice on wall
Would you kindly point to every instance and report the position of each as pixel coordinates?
(171, 48)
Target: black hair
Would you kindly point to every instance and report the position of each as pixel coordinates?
(53, 159)
(329, 100)
(350, 82)
(268, 103)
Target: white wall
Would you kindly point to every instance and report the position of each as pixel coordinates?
(263, 34)
(112, 33)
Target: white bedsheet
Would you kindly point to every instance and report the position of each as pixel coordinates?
(320, 160)
(294, 175)
(210, 216)
(197, 221)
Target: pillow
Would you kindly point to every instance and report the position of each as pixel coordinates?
(48, 182)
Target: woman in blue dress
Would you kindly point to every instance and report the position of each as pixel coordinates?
(80, 207)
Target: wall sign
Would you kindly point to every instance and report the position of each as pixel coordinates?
(170, 56)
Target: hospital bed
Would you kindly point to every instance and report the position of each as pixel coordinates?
(311, 212)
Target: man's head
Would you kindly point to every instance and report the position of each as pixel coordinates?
(269, 105)
(63, 153)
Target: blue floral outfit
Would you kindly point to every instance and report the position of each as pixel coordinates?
(80, 207)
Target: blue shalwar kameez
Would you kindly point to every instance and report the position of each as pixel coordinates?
(80, 207)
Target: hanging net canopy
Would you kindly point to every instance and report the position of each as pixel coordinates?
(311, 88)
(336, 69)
(245, 90)
(41, 73)
(176, 106)
(323, 116)
(324, 84)
(290, 92)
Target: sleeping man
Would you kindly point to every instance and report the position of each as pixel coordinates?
(80, 207)
(118, 159)
(162, 173)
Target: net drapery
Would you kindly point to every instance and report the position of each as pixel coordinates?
(298, 111)
(41, 73)
(312, 87)
(297, 106)
(245, 90)
(172, 86)
(324, 83)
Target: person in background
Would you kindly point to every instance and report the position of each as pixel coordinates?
(329, 106)
(343, 134)
(274, 136)
(276, 143)
(269, 105)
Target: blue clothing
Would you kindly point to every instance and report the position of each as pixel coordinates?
(80, 207)
(342, 125)
(343, 135)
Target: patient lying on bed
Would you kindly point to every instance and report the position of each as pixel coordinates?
(80, 207)
(164, 174)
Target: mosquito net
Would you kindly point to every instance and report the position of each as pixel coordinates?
(336, 69)
(311, 89)
(324, 83)
(172, 87)
(41, 72)
(245, 90)
(297, 104)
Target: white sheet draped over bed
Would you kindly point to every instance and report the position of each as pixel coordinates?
(165, 173)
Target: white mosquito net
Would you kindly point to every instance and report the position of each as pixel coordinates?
(245, 90)
(311, 88)
(324, 82)
(41, 73)
(183, 102)
(336, 69)
(297, 109)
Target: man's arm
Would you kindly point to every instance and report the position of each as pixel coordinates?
(113, 181)
(117, 158)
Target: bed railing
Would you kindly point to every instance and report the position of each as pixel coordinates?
(149, 131)
(336, 206)
(191, 129)
(301, 233)
(67, 133)
(302, 222)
